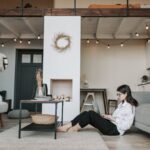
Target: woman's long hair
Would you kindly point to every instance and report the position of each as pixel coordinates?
(126, 89)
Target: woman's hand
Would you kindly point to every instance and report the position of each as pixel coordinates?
(108, 117)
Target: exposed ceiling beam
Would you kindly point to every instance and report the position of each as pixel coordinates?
(22, 36)
(110, 36)
(9, 28)
(98, 27)
(119, 27)
(29, 25)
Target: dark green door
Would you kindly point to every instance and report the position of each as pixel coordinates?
(27, 61)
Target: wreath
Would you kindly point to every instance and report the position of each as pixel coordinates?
(62, 42)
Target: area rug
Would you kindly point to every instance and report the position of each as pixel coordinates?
(87, 139)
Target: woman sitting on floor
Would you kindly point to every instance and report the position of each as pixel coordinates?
(115, 124)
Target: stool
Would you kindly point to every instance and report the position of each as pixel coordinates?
(112, 103)
(88, 101)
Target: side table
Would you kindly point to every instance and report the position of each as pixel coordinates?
(37, 127)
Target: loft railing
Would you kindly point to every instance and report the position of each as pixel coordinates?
(74, 10)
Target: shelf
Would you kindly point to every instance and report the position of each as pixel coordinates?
(144, 83)
(40, 127)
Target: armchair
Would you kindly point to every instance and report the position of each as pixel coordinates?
(3, 109)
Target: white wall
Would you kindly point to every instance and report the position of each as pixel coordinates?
(109, 68)
(147, 54)
(86, 3)
(63, 65)
(7, 77)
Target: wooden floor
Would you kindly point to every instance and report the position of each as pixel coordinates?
(132, 140)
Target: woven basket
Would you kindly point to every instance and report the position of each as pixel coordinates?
(43, 119)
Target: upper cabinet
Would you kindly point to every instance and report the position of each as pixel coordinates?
(148, 55)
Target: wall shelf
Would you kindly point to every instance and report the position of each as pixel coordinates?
(141, 84)
(61, 87)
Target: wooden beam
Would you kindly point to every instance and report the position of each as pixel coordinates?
(84, 12)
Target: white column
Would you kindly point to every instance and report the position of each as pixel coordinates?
(62, 65)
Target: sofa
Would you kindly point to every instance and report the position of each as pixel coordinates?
(142, 119)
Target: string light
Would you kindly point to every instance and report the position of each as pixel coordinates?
(108, 46)
(20, 41)
(97, 41)
(38, 37)
(137, 34)
(29, 42)
(147, 27)
(2, 45)
(121, 44)
(87, 41)
(15, 40)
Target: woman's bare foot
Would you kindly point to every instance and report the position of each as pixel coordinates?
(75, 128)
(64, 128)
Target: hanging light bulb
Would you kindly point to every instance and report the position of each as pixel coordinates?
(20, 41)
(97, 41)
(121, 44)
(108, 46)
(137, 34)
(147, 27)
(87, 41)
(38, 37)
(29, 42)
(148, 41)
(3, 45)
(15, 40)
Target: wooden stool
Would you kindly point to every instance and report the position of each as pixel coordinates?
(88, 101)
(112, 103)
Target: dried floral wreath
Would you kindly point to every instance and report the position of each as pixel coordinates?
(62, 42)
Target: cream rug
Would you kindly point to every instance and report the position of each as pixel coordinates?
(87, 139)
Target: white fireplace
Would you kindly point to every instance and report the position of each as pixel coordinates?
(61, 70)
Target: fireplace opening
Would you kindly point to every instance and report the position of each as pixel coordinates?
(61, 89)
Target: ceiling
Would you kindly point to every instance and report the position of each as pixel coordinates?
(92, 27)
(20, 27)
